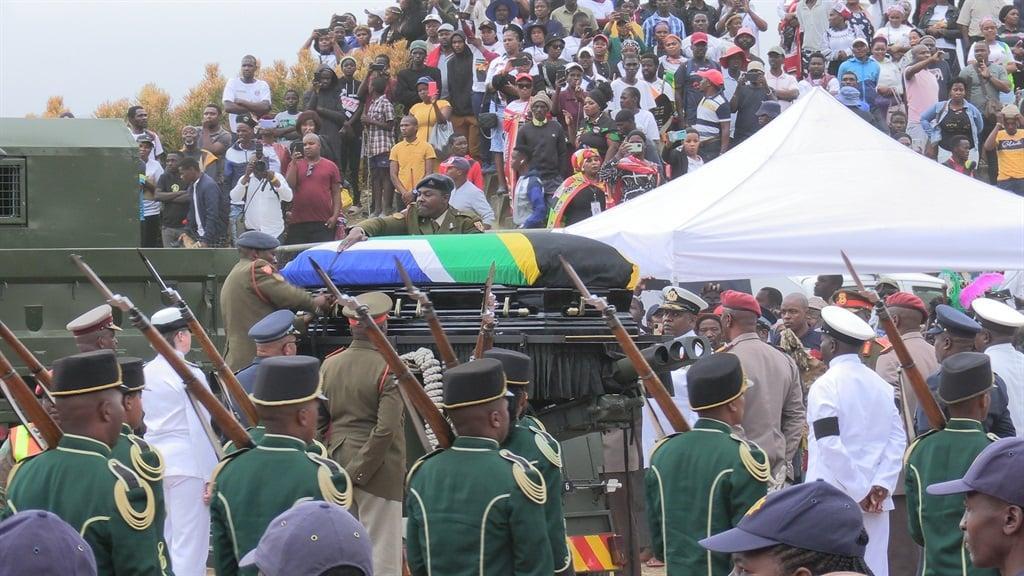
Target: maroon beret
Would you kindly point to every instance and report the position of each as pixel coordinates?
(907, 300)
(740, 301)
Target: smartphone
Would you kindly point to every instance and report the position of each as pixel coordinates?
(636, 147)
(295, 147)
(432, 89)
(676, 135)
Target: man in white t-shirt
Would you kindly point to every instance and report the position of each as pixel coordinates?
(785, 85)
(246, 94)
(138, 125)
(631, 64)
(645, 122)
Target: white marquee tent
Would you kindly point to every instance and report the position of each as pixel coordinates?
(815, 181)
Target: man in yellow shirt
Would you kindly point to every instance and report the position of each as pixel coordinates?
(1008, 142)
(411, 159)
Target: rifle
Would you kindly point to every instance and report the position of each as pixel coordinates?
(228, 377)
(931, 408)
(655, 389)
(485, 340)
(408, 383)
(444, 347)
(222, 416)
(41, 374)
(31, 413)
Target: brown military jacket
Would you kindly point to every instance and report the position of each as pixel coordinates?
(409, 223)
(252, 290)
(888, 366)
(367, 420)
(775, 413)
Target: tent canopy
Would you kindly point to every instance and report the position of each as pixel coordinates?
(815, 181)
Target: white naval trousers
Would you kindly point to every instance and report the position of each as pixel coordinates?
(877, 553)
(383, 521)
(187, 528)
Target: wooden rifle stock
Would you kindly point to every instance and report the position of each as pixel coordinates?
(39, 372)
(444, 346)
(936, 419)
(410, 385)
(36, 420)
(225, 420)
(485, 339)
(227, 377)
(654, 387)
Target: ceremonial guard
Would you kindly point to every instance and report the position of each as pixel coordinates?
(702, 482)
(177, 427)
(862, 307)
(999, 323)
(475, 509)
(274, 335)
(95, 329)
(367, 433)
(856, 438)
(908, 313)
(527, 438)
(253, 289)
(251, 487)
(941, 455)
(80, 482)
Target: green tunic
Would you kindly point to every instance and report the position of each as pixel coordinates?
(475, 509)
(409, 223)
(701, 483)
(148, 464)
(257, 432)
(109, 505)
(544, 452)
(934, 521)
(251, 487)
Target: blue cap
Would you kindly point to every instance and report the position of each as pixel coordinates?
(949, 319)
(257, 241)
(424, 80)
(849, 96)
(310, 538)
(795, 517)
(39, 542)
(273, 326)
(996, 472)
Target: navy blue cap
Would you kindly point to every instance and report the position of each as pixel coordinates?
(273, 326)
(996, 472)
(257, 241)
(795, 516)
(424, 80)
(955, 322)
(39, 542)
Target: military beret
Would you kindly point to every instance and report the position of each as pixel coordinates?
(907, 300)
(378, 304)
(132, 377)
(676, 298)
(740, 301)
(273, 326)
(438, 182)
(996, 472)
(714, 381)
(168, 320)
(965, 375)
(39, 542)
(476, 382)
(283, 380)
(995, 312)
(844, 325)
(86, 372)
(98, 318)
(846, 298)
(257, 241)
(517, 366)
(955, 322)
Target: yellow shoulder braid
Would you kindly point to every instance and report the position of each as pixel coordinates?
(527, 477)
(992, 436)
(128, 488)
(548, 446)
(416, 465)
(139, 451)
(661, 442)
(748, 455)
(327, 475)
(321, 450)
(910, 448)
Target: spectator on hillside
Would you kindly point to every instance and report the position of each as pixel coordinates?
(324, 98)
(688, 81)
(174, 197)
(247, 148)
(465, 63)
(542, 16)
(351, 137)
(712, 116)
(629, 173)
(922, 87)
(566, 15)
(467, 196)
(577, 38)
(458, 147)
(215, 139)
(431, 24)
(695, 7)
(286, 129)
(322, 46)
(960, 157)
(392, 20)
(663, 14)
(149, 217)
(406, 92)
(734, 63)
(812, 15)
(631, 78)
(783, 85)
(581, 195)
(315, 182)
(682, 157)
(818, 76)
(246, 94)
(529, 202)
(1007, 140)
(645, 122)
(716, 47)
(837, 45)
(138, 125)
(261, 191)
(411, 159)
(430, 111)
(208, 161)
(547, 143)
(747, 101)
(208, 207)
(439, 56)
(950, 119)
(378, 121)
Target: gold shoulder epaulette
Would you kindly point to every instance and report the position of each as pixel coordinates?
(761, 471)
(533, 421)
(910, 448)
(416, 465)
(228, 457)
(14, 469)
(661, 442)
(327, 476)
(992, 436)
(130, 487)
(317, 447)
(527, 477)
(140, 451)
(548, 446)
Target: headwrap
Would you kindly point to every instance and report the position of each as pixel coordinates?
(421, 44)
(541, 97)
(580, 156)
(839, 7)
(631, 43)
(678, 39)
(599, 98)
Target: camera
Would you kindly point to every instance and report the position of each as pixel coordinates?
(375, 67)
(259, 166)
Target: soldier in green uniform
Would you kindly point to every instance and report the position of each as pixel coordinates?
(476, 509)
(251, 487)
(527, 439)
(368, 433)
(702, 482)
(100, 497)
(254, 289)
(430, 214)
(941, 455)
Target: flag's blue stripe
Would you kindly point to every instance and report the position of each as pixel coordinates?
(354, 268)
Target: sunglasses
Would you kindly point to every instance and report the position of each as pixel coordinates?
(524, 86)
(309, 170)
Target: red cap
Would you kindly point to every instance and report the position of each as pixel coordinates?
(743, 31)
(713, 76)
(524, 76)
(732, 51)
(907, 300)
(698, 37)
(740, 300)
(719, 309)
(602, 37)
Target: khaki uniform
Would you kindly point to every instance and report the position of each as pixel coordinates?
(888, 366)
(409, 223)
(252, 290)
(774, 415)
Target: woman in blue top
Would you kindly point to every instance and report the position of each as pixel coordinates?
(949, 119)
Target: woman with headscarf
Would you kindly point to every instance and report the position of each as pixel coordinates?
(629, 172)
(324, 98)
(998, 51)
(860, 20)
(596, 129)
(581, 195)
(896, 31)
(837, 39)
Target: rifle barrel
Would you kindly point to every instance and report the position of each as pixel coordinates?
(27, 407)
(41, 374)
(444, 346)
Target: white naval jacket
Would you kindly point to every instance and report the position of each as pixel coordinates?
(856, 438)
(172, 424)
(1009, 364)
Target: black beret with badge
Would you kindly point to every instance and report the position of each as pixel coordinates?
(518, 367)
(439, 182)
(965, 375)
(85, 373)
(284, 380)
(477, 382)
(715, 381)
(273, 326)
(257, 240)
(133, 379)
(676, 298)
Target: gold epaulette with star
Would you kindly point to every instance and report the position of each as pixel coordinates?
(416, 465)
(527, 477)
(140, 452)
(761, 471)
(910, 448)
(130, 491)
(328, 475)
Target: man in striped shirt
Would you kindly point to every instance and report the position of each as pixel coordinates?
(713, 115)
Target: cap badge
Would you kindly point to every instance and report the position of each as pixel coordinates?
(841, 299)
(671, 296)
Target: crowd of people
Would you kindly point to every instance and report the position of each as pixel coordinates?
(550, 111)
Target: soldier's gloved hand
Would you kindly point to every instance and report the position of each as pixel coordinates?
(323, 302)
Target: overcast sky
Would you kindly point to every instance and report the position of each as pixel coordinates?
(105, 50)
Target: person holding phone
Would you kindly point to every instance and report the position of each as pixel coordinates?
(430, 111)
(628, 173)
(1007, 141)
